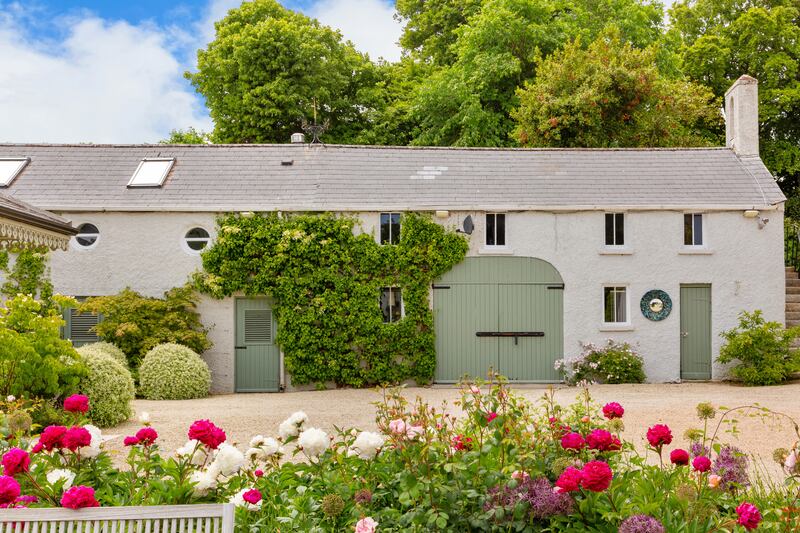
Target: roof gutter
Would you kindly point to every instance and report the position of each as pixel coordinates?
(62, 228)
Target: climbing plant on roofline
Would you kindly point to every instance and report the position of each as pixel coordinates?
(325, 280)
(28, 274)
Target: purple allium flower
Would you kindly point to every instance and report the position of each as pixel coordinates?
(697, 449)
(538, 493)
(731, 466)
(641, 523)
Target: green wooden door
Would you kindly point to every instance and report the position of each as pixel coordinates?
(695, 332)
(537, 309)
(257, 356)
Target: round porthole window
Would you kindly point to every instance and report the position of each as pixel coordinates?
(87, 235)
(197, 239)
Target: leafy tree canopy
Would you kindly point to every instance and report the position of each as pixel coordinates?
(611, 94)
(187, 136)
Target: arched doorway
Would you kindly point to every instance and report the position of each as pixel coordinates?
(506, 313)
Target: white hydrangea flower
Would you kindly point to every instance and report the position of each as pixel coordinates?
(54, 476)
(313, 441)
(228, 459)
(204, 480)
(367, 444)
(238, 501)
(198, 453)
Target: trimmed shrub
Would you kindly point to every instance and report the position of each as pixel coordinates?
(104, 348)
(110, 389)
(616, 362)
(173, 372)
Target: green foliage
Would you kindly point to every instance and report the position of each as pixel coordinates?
(612, 95)
(187, 136)
(616, 362)
(260, 74)
(103, 349)
(792, 208)
(34, 360)
(761, 350)
(173, 372)
(326, 280)
(137, 323)
(109, 386)
(29, 274)
(430, 29)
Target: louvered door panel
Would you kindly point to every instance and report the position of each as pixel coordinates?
(257, 326)
(80, 327)
(257, 356)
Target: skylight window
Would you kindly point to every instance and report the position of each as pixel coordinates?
(151, 172)
(10, 168)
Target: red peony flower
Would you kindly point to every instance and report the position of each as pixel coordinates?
(491, 416)
(616, 444)
(749, 516)
(15, 461)
(77, 437)
(596, 476)
(599, 439)
(461, 443)
(572, 441)
(9, 490)
(130, 440)
(146, 436)
(613, 410)
(258, 473)
(659, 435)
(679, 457)
(207, 433)
(252, 496)
(79, 497)
(701, 463)
(51, 437)
(77, 403)
(569, 480)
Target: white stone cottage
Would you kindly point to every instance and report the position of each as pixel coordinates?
(659, 247)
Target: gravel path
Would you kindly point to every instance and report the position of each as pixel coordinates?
(244, 415)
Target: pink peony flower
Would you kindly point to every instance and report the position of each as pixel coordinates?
(569, 480)
(701, 463)
(76, 437)
(15, 461)
(79, 497)
(596, 476)
(491, 416)
(258, 473)
(366, 525)
(679, 457)
(207, 433)
(599, 439)
(77, 403)
(613, 410)
(659, 435)
(414, 431)
(146, 436)
(130, 440)
(572, 441)
(9, 490)
(51, 437)
(749, 516)
(398, 427)
(252, 496)
(714, 481)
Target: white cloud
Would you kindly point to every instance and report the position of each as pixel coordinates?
(369, 24)
(103, 82)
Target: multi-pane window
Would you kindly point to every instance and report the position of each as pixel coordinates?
(391, 304)
(615, 229)
(495, 229)
(693, 229)
(390, 228)
(615, 305)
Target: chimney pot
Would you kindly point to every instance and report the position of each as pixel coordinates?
(741, 116)
(298, 138)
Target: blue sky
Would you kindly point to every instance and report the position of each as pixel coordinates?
(111, 71)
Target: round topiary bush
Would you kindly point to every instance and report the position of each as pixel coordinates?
(173, 372)
(104, 348)
(110, 389)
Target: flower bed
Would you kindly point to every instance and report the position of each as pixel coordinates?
(506, 465)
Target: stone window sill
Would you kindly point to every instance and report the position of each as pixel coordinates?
(496, 250)
(695, 251)
(616, 327)
(615, 251)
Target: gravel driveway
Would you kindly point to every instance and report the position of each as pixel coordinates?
(244, 415)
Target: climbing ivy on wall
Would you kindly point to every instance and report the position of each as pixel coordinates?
(29, 274)
(325, 279)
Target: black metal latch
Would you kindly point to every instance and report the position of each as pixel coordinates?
(515, 334)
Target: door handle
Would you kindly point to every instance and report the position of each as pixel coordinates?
(684, 333)
(240, 347)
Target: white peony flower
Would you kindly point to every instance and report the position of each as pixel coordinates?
(144, 418)
(11, 398)
(292, 426)
(198, 453)
(271, 447)
(257, 441)
(204, 480)
(254, 455)
(238, 501)
(95, 445)
(313, 441)
(367, 444)
(54, 476)
(228, 459)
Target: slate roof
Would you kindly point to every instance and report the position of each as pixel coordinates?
(342, 178)
(19, 211)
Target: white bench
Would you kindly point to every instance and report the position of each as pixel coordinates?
(212, 518)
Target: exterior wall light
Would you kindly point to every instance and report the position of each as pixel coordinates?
(442, 214)
(751, 213)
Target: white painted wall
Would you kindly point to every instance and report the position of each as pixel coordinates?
(744, 265)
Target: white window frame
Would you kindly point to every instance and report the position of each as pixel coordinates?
(615, 246)
(160, 180)
(78, 246)
(185, 240)
(703, 230)
(486, 230)
(627, 300)
(380, 227)
(402, 304)
(22, 162)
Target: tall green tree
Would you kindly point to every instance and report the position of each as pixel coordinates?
(267, 64)
(187, 136)
(612, 94)
(722, 39)
(430, 26)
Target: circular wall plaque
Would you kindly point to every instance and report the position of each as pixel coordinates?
(656, 305)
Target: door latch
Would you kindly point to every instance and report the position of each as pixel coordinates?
(684, 333)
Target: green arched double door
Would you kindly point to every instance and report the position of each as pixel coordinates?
(504, 313)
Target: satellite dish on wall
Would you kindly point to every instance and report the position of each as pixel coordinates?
(468, 225)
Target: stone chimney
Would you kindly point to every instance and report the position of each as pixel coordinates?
(741, 116)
